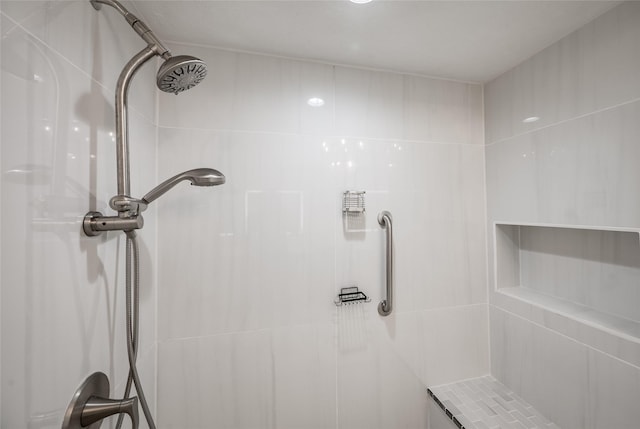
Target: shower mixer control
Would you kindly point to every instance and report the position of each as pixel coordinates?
(95, 223)
(128, 219)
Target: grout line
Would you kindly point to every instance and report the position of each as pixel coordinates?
(566, 336)
(561, 122)
(328, 323)
(326, 63)
(389, 139)
(487, 288)
(156, 265)
(336, 228)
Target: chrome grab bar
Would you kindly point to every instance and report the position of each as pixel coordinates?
(386, 305)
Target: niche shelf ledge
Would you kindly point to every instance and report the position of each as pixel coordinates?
(582, 281)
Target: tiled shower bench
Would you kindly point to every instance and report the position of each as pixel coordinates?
(482, 403)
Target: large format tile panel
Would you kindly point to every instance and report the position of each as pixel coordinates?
(571, 383)
(594, 68)
(250, 380)
(253, 253)
(579, 172)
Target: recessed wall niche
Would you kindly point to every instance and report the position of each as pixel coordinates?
(588, 274)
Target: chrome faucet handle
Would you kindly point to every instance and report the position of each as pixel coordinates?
(90, 405)
(97, 408)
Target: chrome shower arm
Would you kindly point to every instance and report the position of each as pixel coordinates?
(137, 24)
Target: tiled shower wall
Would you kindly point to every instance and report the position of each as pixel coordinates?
(577, 165)
(62, 294)
(248, 272)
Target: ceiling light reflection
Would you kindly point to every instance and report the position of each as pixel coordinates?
(315, 102)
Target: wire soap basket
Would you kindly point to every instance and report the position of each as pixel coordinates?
(353, 202)
(353, 209)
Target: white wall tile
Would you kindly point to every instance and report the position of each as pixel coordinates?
(305, 376)
(442, 111)
(249, 380)
(613, 389)
(546, 369)
(577, 172)
(270, 216)
(572, 384)
(226, 376)
(591, 69)
(376, 388)
(267, 95)
(455, 342)
(368, 103)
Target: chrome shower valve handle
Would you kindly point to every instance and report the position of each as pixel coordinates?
(91, 404)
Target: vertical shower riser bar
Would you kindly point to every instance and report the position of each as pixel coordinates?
(122, 129)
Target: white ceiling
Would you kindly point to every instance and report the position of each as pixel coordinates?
(464, 40)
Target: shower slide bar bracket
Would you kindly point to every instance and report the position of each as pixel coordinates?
(386, 305)
(91, 404)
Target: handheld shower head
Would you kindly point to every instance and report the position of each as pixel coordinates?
(180, 73)
(197, 177)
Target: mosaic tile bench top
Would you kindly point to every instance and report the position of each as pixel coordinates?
(485, 403)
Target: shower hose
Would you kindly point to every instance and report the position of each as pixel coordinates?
(132, 314)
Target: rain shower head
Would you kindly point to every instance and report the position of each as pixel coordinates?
(180, 73)
(197, 177)
(177, 73)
